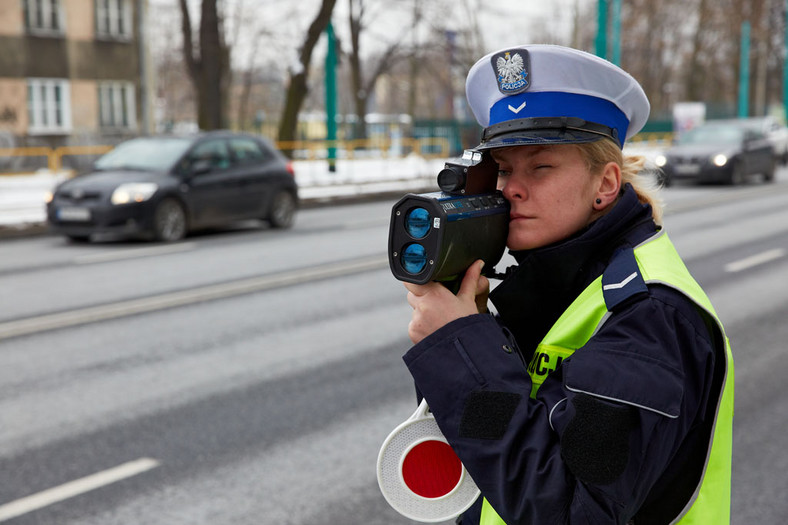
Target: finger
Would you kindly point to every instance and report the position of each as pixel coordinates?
(413, 300)
(420, 290)
(482, 285)
(414, 334)
(470, 281)
(416, 289)
(482, 293)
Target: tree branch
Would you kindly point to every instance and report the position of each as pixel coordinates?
(188, 45)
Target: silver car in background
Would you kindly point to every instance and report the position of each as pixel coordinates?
(727, 152)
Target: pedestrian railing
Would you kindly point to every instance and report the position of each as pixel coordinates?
(52, 159)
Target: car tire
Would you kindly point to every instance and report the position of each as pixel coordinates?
(78, 239)
(283, 210)
(768, 176)
(169, 221)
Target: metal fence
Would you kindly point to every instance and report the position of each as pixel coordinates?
(72, 158)
(41, 157)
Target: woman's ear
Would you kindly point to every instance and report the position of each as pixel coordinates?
(609, 186)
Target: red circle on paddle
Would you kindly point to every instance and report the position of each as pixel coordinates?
(431, 469)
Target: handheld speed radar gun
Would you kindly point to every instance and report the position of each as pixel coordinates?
(437, 236)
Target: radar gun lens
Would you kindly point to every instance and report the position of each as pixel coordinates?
(414, 258)
(417, 222)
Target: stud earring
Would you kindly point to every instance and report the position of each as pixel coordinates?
(599, 201)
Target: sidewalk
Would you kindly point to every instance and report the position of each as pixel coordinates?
(22, 208)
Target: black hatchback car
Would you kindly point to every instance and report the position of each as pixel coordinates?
(164, 187)
(726, 151)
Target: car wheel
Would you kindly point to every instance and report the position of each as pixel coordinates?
(768, 176)
(283, 210)
(169, 221)
(81, 239)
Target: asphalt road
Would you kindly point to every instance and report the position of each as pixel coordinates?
(249, 376)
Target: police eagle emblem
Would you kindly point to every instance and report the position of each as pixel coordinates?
(511, 71)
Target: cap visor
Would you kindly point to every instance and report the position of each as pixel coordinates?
(541, 137)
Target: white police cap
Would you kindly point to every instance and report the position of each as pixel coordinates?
(538, 94)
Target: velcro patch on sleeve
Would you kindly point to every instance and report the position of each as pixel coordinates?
(487, 414)
(595, 443)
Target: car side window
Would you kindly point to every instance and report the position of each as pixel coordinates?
(211, 153)
(752, 135)
(246, 151)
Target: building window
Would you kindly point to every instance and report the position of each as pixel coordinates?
(117, 108)
(43, 16)
(48, 105)
(113, 18)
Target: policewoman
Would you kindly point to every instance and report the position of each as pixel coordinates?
(602, 389)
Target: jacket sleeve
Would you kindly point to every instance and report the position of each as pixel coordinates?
(603, 427)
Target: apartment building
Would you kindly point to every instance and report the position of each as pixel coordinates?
(72, 72)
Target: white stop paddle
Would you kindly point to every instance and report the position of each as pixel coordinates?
(420, 475)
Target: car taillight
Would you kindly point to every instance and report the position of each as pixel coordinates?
(289, 168)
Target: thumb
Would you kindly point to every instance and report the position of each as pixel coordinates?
(470, 280)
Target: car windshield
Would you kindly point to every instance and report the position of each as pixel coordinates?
(145, 154)
(716, 134)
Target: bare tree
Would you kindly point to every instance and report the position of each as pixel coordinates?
(364, 84)
(298, 86)
(690, 50)
(247, 77)
(209, 68)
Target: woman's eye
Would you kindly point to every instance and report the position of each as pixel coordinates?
(544, 166)
(503, 173)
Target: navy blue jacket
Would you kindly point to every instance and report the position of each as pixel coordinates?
(569, 457)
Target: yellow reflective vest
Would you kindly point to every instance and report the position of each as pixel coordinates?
(659, 263)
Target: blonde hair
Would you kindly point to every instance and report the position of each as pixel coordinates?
(597, 154)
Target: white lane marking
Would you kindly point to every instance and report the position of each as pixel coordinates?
(754, 260)
(133, 253)
(185, 297)
(75, 488)
(616, 286)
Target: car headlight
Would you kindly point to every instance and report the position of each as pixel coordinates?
(720, 160)
(660, 161)
(48, 196)
(133, 192)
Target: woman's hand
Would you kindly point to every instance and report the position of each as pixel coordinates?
(435, 306)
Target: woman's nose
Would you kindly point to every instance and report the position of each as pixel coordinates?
(511, 189)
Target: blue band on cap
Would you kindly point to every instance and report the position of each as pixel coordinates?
(560, 104)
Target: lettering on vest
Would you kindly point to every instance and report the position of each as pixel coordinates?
(541, 365)
(545, 361)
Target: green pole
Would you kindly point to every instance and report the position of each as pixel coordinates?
(744, 71)
(331, 98)
(616, 32)
(785, 64)
(601, 29)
